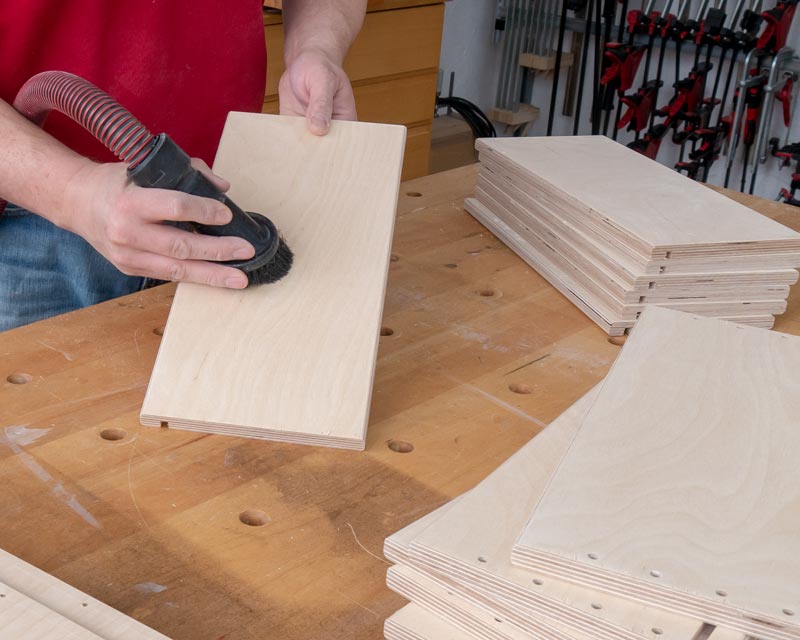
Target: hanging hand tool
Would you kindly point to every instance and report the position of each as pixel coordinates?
(789, 153)
(773, 85)
(778, 23)
(562, 28)
(622, 63)
(748, 87)
(743, 41)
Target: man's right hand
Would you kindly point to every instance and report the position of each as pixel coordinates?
(124, 223)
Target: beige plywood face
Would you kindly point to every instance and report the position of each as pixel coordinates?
(637, 197)
(292, 360)
(682, 487)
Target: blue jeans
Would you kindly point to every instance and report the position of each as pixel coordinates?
(46, 271)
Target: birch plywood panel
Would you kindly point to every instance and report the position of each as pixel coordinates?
(294, 360)
(639, 198)
(470, 544)
(22, 618)
(682, 487)
(415, 623)
(68, 602)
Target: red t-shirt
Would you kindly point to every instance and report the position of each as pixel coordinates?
(178, 65)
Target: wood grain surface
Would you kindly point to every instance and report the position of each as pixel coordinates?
(293, 360)
(148, 520)
(681, 487)
(638, 199)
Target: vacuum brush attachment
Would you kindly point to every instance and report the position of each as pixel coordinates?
(167, 166)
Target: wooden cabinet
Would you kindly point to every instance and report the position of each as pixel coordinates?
(393, 66)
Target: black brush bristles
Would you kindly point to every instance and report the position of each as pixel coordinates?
(275, 269)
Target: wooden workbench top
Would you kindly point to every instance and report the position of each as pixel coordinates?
(479, 354)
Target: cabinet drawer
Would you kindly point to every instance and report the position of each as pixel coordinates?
(390, 43)
(404, 100)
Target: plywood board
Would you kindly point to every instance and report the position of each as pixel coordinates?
(653, 206)
(412, 622)
(470, 544)
(293, 360)
(70, 603)
(682, 487)
(23, 618)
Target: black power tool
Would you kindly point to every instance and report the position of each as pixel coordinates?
(153, 161)
(167, 166)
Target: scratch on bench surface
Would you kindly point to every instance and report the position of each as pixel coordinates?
(358, 542)
(501, 403)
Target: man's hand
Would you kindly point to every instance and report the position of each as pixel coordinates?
(318, 34)
(316, 87)
(124, 223)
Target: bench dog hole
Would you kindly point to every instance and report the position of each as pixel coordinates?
(400, 446)
(113, 434)
(518, 387)
(253, 518)
(413, 194)
(19, 378)
(387, 331)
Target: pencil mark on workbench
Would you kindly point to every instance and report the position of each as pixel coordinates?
(67, 356)
(358, 542)
(528, 364)
(500, 403)
(16, 437)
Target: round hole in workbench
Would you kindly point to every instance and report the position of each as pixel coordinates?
(597, 605)
(253, 518)
(19, 378)
(518, 387)
(84, 604)
(159, 331)
(113, 434)
(486, 293)
(655, 574)
(788, 612)
(498, 620)
(400, 446)
(538, 582)
(721, 592)
(482, 559)
(413, 194)
(451, 265)
(657, 631)
(394, 258)
(592, 556)
(387, 331)
(617, 340)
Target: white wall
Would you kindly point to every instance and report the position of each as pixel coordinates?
(468, 50)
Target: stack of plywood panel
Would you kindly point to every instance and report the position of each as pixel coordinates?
(616, 232)
(664, 504)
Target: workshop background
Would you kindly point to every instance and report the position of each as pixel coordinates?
(475, 54)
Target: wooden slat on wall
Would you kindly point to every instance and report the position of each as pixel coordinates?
(294, 360)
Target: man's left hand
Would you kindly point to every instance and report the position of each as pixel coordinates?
(315, 87)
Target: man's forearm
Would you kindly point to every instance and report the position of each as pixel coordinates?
(35, 168)
(329, 26)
